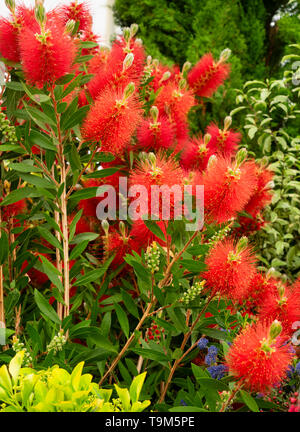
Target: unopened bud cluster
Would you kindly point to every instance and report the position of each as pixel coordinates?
(220, 235)
(18, 346)
(57, 342)
(152, 257)
(192, 292)
(7, 131)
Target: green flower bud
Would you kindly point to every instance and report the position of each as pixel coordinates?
(275, 329)
(11, 5)
(241, 156)
(128, 61)
(133, 29)
(70, 26)
(227, 122)
(105, 226)
(154, 113)
(129, 90)
(225, 54)
(207, 138)
(126, 34)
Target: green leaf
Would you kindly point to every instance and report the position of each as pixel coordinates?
(41, 140)
(193, 265)
(123, 320)
(124, 396)
(4, 246)
(76, 118)
(25, 167)
(88, 236)
(209, 383)
(90, 276)
(136, 387)
(78, 250)
(19, 194)
(15, 365)
(49, 237)
(129, 303)
(187, 409)
(249, 401)
(76, 376)
(87, 193)
(45, 307)
(155, 229)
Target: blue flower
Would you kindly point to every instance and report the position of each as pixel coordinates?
(290, 371)
(183, 402)
(202, 343)
(211, 356)
(218, 371)
(297, 368)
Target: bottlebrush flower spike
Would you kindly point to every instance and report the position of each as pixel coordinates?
(262, 195)
(158, 171)
(124, 65)
(155, 133)
(228, 186)
(259, 356)
(176, 104)
(196, 154)
(79, 12)
(282, 304)
(223, 141)
(230, 269)
(13, 210)
(116, 243)
(46, 55)
(9, 33)
(207, 75)
(113, 120)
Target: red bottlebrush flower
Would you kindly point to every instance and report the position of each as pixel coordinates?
(153, 135)
(79, 12)
(9, 32)
(176, 104)
(160, 172)
(260, 286)
(112, 120)
(142, 237)
(262, 195)
(283, 304)
(12, 210)
(248, 226)
(10, 29)
(224, 142)
(227, 188)
(98, 62)
(115, 243)
(47, 56)
(230, 269)
(195, 155)
(258, 358)
(161, 76)
(120, 49)
(207, 75)
(116, 73)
